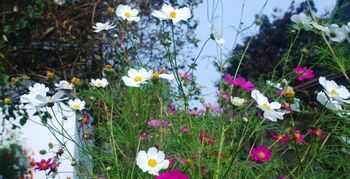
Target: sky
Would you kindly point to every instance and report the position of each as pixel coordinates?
(37, 136)
(206, 74)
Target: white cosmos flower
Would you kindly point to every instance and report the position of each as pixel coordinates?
(77, 104)
(328, 102)
(43, 100)
(268, 108)
(152, 161)
(64, 85)
(165, 76)
(335, 91)
(302, 21)
(237, 101)
(176, 15)
(126, 13)
(335, 33)
(346, 29)
(102, 26)
(137, 77)
(99, 83)
(295, 106)
(60, 2)
(218, 39)
(34, 90)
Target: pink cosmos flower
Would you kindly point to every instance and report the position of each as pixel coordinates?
(172, 161)
(43, 164)
(171, 109)
(298, 136)
(175, 174)
(185, 76)
(165, 123)
(183, 129)
(157, 123)
(261, 154)
(143, 136)
(196, 112)
(211, 108)
(154, 122)
(204, 171)
(318, 132)
(239, 81)
(281, 138)
(303, 73)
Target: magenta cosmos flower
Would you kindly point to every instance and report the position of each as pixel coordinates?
(43, 164)
(298, 136)
(281, 138)
(318, 132)
(303, 73)
(240, 81)
(175, 174)
(261, 154)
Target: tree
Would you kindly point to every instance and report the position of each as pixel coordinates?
(268, 47)
(39, 35)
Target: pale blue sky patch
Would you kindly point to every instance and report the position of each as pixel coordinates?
(226, 23)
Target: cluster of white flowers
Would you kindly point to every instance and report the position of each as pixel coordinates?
(125, 12)
(38, 96)
(333, 96)
(99, 83)
(334, 32)
(237, 101)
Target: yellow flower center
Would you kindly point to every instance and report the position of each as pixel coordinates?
(289, 93)
(127, 14)
(99, 84)
(7, 100)
(75, 81)
(318, 132)
(49, 74)
(261, 154)
(333, 92)
(156, 75)
(76, 106)
(152, 163)
(267, 106)
(279, 137)
(44, 165)
(172, 14)
(138, 78)
(297, 135)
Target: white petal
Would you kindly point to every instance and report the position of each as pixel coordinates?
(132, 73)
(134, 12)
(343, 92)
(330, 104)
(130, 82)
(167, 9)
(160, 156)
(275, 105)
(160, 15)
(152, 153)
